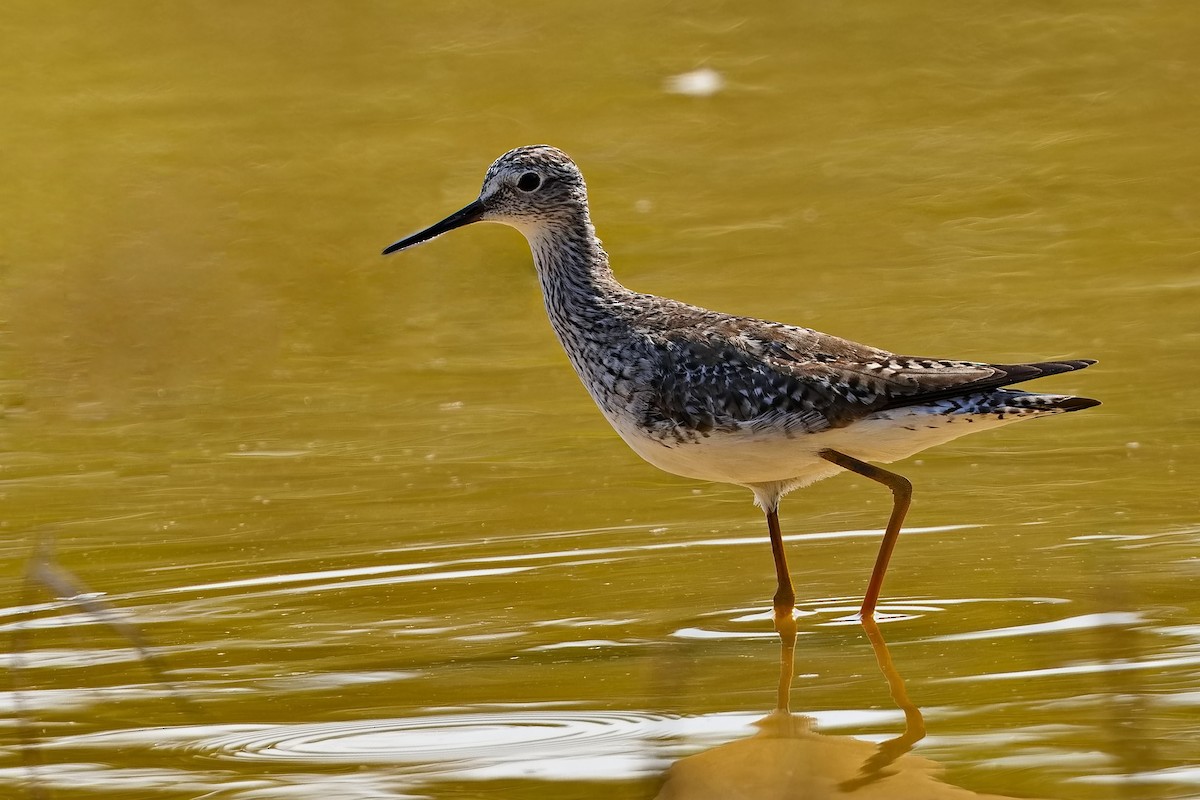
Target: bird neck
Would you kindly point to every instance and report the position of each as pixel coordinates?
(573, 269)
(587, 307)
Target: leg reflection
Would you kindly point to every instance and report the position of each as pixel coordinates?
(914, 723)
(785, 626)
(789, 759)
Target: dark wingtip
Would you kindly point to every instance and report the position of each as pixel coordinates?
(1019, 373)
(1056, 367)
(1076, 403)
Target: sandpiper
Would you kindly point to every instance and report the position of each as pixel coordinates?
(716, 397)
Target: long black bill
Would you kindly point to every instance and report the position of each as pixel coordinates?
(465, 216)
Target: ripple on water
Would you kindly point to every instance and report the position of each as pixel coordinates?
(105, 780)
(485, 745)
(756, 623)
(499, 744)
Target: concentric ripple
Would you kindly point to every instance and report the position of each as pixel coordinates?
(482, 745)
(756, 622)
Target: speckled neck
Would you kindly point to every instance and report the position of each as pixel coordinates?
(571, 263)
(584, 301)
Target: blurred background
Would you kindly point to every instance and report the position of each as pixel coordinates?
(372, 527)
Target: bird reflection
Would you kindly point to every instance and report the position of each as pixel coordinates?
(789, 760)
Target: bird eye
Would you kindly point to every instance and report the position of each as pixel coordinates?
(529, 181)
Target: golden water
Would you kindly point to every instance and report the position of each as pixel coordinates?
(376, 538)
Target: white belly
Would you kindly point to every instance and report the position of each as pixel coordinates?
(748, 458)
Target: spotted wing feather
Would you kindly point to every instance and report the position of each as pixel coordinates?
(718, 372)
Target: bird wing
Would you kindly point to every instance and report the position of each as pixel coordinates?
(721, 371)
(880, 380)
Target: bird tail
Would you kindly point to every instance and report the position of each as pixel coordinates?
(1021, 403)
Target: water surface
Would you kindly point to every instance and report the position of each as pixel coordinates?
(373, 533)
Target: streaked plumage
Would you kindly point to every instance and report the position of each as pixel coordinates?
(734, 399)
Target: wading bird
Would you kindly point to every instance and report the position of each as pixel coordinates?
(738, 400)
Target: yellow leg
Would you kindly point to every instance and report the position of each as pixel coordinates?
(785, 595)
(901, 498)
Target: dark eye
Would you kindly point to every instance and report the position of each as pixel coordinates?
(529, 181)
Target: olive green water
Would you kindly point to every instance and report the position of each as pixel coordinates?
(374, 532)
